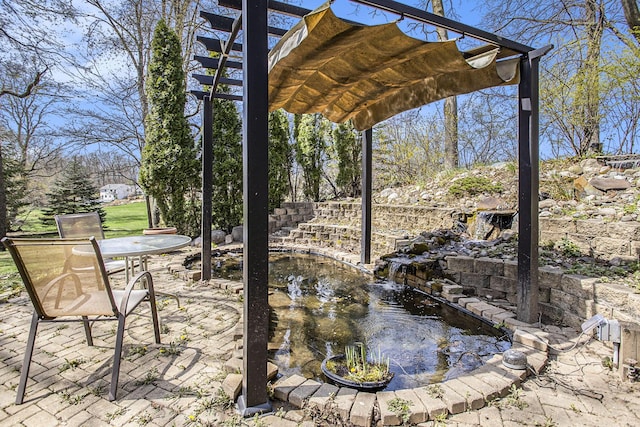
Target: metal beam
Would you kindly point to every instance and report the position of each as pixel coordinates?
(218, 22)
(215, 45)
(255, 142)
(442, 22)
(201, 94)
(284, 8)
(223, 23)
(207, 80)
(213, 63)
(365, 243)
(207, 186)
(226, 49)
(528, 158)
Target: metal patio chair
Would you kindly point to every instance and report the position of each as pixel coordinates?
(64, 286)
(83, 226)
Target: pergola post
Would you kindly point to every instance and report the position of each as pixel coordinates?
(207, 186)
(528, 158)
(367, 143)
(254, 398)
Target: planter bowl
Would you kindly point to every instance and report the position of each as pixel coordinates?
(361, 386)
(160, 230)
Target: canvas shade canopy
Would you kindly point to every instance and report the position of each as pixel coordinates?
(371, 73)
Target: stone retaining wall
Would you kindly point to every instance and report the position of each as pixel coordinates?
(597, 238)
(566, 299)
(337, 224)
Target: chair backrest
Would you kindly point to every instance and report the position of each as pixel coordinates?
(61, 279)
(80, 225)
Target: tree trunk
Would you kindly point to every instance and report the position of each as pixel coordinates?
(3, 201)
(450, 108)
(594, 18)
(632, 15)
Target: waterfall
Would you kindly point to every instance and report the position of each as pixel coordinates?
(484, 226)
(397, 271)
(393, 270)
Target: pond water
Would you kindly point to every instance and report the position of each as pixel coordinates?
(319, 306)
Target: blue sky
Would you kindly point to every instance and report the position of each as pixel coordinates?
(346, 9)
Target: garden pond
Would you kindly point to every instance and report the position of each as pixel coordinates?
(319, 306)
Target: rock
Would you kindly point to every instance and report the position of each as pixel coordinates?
(237, 233)
(545, 214)
(590, 166)
(567, 174)
(545, 204)
(606, 184)
(584, 188)
(606, 212)
(491, 204)
(604, 169)
(218, 236)
(575, 169)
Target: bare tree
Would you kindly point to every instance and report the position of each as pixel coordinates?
(632, 15)
(450, 107)
(30, 49)
(575, 68)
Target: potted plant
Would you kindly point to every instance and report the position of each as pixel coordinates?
(356, 370)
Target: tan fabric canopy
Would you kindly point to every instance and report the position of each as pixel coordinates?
(370, 73)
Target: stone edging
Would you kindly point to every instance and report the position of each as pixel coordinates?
(470, 391)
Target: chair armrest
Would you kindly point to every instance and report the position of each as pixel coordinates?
(127, 291)
(59, 281)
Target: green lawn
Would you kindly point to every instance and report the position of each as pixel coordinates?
(122, 220)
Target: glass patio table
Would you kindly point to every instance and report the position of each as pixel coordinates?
(141, 246)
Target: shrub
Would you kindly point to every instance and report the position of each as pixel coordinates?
(472, 185)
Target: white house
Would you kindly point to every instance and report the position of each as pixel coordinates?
(111, 192)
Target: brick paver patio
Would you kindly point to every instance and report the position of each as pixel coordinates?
(181, 381)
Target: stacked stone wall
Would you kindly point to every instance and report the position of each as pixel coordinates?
(597, 238)
(289, 215)
(337, 224)
(565, 299)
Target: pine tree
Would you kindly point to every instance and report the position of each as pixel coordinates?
(280, 158)
(227, 165)
(170, 170)
(311, 147)
(348, 151)
(14, 182)
(73, 192)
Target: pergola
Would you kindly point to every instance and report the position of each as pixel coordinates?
(366, 74)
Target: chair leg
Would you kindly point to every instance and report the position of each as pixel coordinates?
(26, 364)
(115, 374)
(87, 330)
(154, 315)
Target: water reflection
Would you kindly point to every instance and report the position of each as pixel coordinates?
(318, 306)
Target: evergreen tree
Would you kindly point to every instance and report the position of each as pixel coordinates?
(280, 158)
(15, 184)
(170, 171)
(348, 150)
(73, 192)
(227, 165)
(311, 147)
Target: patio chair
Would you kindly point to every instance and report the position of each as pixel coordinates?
(65, 287)
(85, 225)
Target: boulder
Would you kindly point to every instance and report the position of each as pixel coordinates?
(218, 236)
(237, 233)
(606, 184)
(584, 188)
(491, 204)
